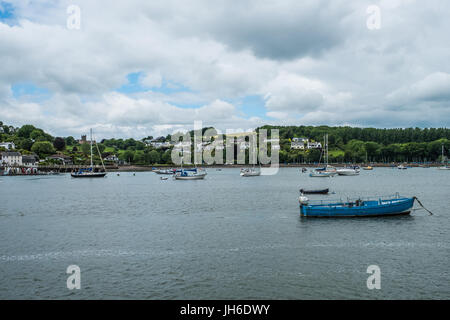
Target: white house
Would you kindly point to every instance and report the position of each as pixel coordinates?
(11, 158)
(29, 160)
(299, 143)
(314, 145)
(8, 145)
(111, 157)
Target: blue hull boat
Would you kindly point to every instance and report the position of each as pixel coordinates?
(388, 206)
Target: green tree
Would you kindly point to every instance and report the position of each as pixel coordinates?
(25, 131)
(70, 141)
(86, 148)
(43, 148)
(59, 144)
(153, 157)
(127, 156)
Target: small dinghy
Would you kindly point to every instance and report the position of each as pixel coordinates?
(320, 191)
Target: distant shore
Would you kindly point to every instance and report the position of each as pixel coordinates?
(142, 168)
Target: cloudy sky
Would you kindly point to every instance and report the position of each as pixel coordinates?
(138, 68)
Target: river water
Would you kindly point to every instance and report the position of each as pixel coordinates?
(225, 237)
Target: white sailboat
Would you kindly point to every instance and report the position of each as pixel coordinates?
(189, 174)
(250, 172)
(253, 171)
(444, 167)
(89, 172)
(327, 171)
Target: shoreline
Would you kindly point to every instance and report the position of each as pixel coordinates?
(144, 168)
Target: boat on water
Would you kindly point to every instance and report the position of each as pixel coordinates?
(349, 171)
(402, 167)
(367, 168)
(164, 171)
(316, 191)
(367, 207)
(90, 172)
(327, 171)
(444, 167)
(250, 172)
(190, 174)
(323, 174)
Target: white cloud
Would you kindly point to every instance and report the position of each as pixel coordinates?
(315, 62)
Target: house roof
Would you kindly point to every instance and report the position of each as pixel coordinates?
(59, 156)
(11, 154)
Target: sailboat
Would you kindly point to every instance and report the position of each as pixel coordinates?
(253, 171)
(89, 172)
(189, 174)
(444, 167)
(368, 167)
(327, 171)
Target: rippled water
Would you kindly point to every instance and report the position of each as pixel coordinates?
(225, 237)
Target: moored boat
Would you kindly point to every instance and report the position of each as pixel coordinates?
(323, 174)
(444, 167)
(250, 172)
(370, 207)
(327, 171)
(367, 168)
(190, 174)
(317, 191)
(348, 172)
(90, 172)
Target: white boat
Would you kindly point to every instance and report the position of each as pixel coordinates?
(163, 171)
(190, 174)
(444, 167)
(250, 172)
(402, 167)
(327, 171)
(322, 174)
(348, 172)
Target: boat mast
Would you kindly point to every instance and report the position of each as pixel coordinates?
(91, 148)
(326, 143)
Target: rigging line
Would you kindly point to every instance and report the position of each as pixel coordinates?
(418, 201)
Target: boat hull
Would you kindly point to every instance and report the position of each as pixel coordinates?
(347, 172)
(367, 209)
(250, 174)
(322, 174)
(323, 191)
(196, 177)
(89, 175)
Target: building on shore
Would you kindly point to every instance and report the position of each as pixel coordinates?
(299, 143)
(9, 158)
(111, 158)
(8, 145)
(30, 160)
(61, 158)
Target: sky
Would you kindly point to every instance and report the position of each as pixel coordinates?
(138, 68)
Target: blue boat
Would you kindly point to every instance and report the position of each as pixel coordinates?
(370, 207)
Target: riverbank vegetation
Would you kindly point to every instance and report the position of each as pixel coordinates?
(346, 144)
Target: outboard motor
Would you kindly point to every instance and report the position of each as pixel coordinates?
(303, 200)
